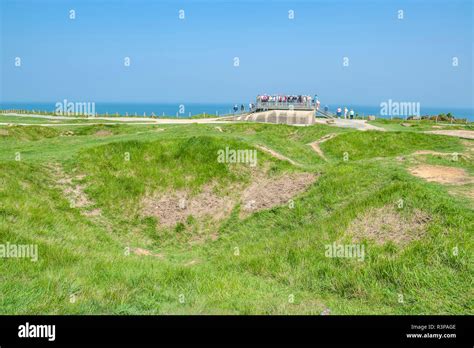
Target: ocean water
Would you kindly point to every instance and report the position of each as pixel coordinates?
(466, 113)
(190, 109)
(158, 109)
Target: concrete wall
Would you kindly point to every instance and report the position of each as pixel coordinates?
(295, 117)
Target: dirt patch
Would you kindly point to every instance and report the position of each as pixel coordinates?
(275, 154)
(176, 207)
(3, 132)
(67, 133)
(191, 263)
(469, 146)
(76, 195)
(315, 144)
(266, 193)
(466, 134)
(441, 174)
(93, 212)
(74, 192)
(145, 252)
(429, 152)
(263, 193)
(103, 133)
(386, 224)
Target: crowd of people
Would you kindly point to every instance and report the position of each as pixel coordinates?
(307, 100)
(303, 99)
(286, 98)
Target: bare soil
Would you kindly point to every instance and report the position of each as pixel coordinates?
(103, 133)
(74, 192)
(263, 193)
(429, 152)
(466, 134)
(386, 224)
(441, 174)
(172, 208)
(266, 193)
(145, 252)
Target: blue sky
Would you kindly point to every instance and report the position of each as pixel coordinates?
(192, 60)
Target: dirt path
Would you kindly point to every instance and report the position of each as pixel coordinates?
(466, 134)
(277, 155)
(361, 125)
(343, 123)
(74, 124)
(429, 152)
(315, 144)
(122, 119)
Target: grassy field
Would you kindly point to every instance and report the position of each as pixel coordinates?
(418, 125)
(269, 262)
(39, 120)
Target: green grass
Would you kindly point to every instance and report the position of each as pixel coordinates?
(281, 250)
(29, 133)
(363, 146)
(50, 120)
(418, 125)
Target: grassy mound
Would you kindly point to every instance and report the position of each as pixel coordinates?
(30, 133)
(362, 146)
(119, 262)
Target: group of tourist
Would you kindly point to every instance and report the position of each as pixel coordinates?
(306, 99)
(301, 99)
(347, 113)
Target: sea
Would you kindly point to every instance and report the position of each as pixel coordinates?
(184, 110)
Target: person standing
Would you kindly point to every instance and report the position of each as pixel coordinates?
(339, 112)
(351, 114)
(345, 112)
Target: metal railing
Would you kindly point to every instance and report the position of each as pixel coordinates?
(274, 105)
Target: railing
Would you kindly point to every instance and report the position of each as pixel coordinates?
(324, 113)
(273, 105)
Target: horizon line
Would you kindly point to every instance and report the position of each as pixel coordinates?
(212, 102)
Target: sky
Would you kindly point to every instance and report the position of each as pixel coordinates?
(194, 59)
